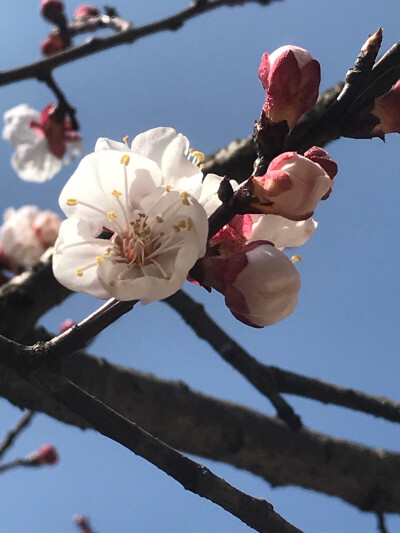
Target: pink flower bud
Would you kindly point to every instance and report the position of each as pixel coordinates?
(387, 110)
(64, 326)
(292, 186)
(260, 283)
(45, 455)
(291, 78)
(51, 10)
(84, 12)
(52, 45)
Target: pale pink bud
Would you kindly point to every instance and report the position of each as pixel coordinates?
(260, 283)
(387, 110)
(292, 187)
(85, 11)
(45, 228)
(52, 45)
(291, 78)
(67, 324)
(45, 455)
(51, 10)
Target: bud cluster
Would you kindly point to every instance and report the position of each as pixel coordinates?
(60, 38)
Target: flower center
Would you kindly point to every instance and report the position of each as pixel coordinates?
(137, 245)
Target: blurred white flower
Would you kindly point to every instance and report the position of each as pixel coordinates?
(158, 229)
(41, 141)
(26, 234)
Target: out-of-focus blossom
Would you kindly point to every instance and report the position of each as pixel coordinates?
(53, 44)
(45, 455)
(51, 10)
(158, 229)
(259, 282)
(292, 186)
(84, 11)
(26, 234)
(179, 164)
(291, 78)
(387, 110)
(41, 141)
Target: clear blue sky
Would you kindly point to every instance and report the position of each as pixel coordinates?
(202, 80)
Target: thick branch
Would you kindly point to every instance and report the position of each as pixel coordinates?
(255, 512)
(224, 431)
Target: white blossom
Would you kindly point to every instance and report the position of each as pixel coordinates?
(26, 234)
(40, 142)
(158, 230)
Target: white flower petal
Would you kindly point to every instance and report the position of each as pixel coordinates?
(108, 144)
(169, 150)
(16, 129)
(34, 162)
(284, 233)
(102, 185)
(73, 251)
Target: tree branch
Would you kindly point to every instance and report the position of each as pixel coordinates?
(15, 431)
(223, 431)
(195, 316)
(127, 36)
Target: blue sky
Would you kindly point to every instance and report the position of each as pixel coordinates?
(202, 80)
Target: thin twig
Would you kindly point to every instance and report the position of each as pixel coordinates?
(13, 464)
(129, 35)
(271, 379)
(195, 316)
(15, 431)
(382, 528)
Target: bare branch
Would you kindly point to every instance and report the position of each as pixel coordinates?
(223, 431)
(202, 324)
(15, 431)
(255, 512)
(126, 36)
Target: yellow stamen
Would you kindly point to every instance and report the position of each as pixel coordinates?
(159, 219)
(112, 215)
(184, 196)
(71, 201)
(295, 259)
(99, 260)
(198, 155)
(79, 272)
(168, 188)
(125, 160)
(112, 283)
(116, 193)
(126, 138)
(190, 224)
(168, 276)
(177, 229)
(182, 224)
(202, 165)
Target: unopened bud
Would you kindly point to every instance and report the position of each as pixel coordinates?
(67, 324)
(292, 187)
(84, 12)
(291, 78)
(45, 455)
(52, 10)
(52, 45)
